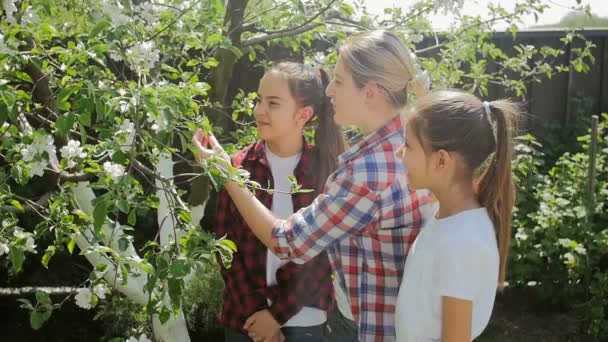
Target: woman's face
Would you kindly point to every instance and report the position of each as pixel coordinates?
(346, 97)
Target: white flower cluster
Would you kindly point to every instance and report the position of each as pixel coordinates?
(144, 55)
(30, 16)
(125, 135)
(113, 9)
(448, 5)
(35, 153)
(3, 47)
(148, 12)
(114, 170)
(84, 296)
(4, 248)
(30, 243)
(142, 338)
(9, 9)
(72, 152)
(159, 123)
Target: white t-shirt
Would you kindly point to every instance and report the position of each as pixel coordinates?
(282, 207)
(455, 257)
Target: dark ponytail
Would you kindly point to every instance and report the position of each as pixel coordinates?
(308, 87)
(480, 132)
(329, 142)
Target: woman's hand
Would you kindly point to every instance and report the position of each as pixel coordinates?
(207, 147)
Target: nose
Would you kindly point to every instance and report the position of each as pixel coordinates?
(257, 110)
(330, 91)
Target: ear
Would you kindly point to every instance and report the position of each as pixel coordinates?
(443, 159)
(304, 114)
(371, 91)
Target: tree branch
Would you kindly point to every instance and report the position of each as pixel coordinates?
(304, 27)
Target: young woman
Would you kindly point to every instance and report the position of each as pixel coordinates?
(459, 258)
(366, 217)
(266, 298)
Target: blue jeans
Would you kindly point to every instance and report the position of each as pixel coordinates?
(292, 334)
(340, 328)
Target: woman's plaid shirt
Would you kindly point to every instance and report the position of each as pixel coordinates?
(367, 218)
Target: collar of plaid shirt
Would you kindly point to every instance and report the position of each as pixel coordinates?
(370, 141)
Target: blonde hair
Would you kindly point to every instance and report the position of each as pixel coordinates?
(382, 57)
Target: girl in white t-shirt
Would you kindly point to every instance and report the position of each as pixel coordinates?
(459, 148)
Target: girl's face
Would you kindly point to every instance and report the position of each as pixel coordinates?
(347, 98)
(277, 114)
(418, 165)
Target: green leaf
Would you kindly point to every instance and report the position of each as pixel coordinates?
(123, 205)
(99, 27)
(229, 244)
(214, 39)
(17, 205)
(71, 245)
(164, 315)
(43, 298)
(132, 219)
(50, 251)
(17, 258)
(37, 318)
(99, 214)
(26, 304)
(64, 96)
(8, 104)
(175, 290)
(179, 269)
(64, 124)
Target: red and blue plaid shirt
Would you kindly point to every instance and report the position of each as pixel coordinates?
(367, 218)
(246, 291)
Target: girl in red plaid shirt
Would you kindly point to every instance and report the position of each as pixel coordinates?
(266, 298)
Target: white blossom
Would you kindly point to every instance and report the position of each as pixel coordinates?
(30, 16)
(20, 234)
(144, 54)
(83, 298)
(126, 135)
(114, 170)
(71, 152)
(9, 8)
(580, 250)
(570, 260)
(147, 12)
(142, 338)
(448, 5)
(37, 168)
(521, 235)
(3, 249)
(3, 47)
(30, 245)
(113, 10)
(100, 291)
(158, 123)
(117, 57)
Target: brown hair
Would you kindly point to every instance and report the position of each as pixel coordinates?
(459, 122)
(308, 85)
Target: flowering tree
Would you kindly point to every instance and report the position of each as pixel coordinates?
(99, 98)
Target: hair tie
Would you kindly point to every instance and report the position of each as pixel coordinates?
(487, 108)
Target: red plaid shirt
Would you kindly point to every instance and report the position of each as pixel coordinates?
(245, 289)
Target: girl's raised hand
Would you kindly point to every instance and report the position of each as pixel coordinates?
(207, 147)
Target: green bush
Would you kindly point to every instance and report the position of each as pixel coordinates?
(561, 234)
